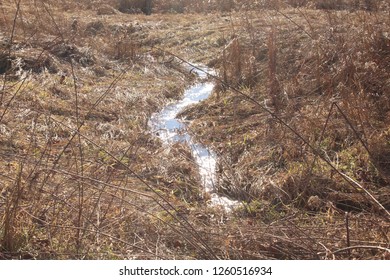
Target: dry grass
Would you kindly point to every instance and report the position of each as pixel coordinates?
(83, 178)
(296, 118)
(81, 174)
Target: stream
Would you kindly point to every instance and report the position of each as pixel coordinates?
(170, 129)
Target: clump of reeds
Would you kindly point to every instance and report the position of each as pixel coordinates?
(313, 137)
(80, 175)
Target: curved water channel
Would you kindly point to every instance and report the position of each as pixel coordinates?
(170, 129)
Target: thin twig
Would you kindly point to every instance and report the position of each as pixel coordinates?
(362, 247)
(183, 222)
(354, 129)
(10, 48)
(345, 177)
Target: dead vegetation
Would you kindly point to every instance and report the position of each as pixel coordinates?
(83, 178)
(301, 104)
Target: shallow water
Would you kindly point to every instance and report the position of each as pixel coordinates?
(170, 129)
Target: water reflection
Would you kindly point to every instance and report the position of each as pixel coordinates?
(170, 129)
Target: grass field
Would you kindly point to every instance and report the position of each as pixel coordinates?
(299, 118)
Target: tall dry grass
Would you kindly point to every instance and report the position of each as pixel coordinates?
(80, 176)
(207, 6)
(335, 73)
(305, 134)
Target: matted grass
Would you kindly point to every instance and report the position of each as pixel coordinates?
(82, 177)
